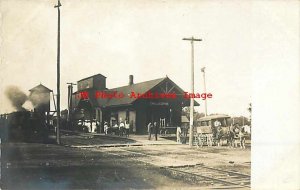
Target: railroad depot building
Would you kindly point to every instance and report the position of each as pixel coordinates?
(159, 100)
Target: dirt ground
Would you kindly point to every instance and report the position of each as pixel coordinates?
(42, 166)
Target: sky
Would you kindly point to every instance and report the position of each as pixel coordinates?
(120, 38)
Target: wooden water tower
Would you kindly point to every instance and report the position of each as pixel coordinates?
(40, 98)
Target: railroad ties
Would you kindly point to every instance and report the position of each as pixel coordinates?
(205, 176)
(217, 178)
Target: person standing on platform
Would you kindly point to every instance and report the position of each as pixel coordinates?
(105, 128)
(149, 130)
(121, 128)
(127, 128)
(156, 128)
(184, 133)
(178, 133)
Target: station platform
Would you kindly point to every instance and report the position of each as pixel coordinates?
(88, 140)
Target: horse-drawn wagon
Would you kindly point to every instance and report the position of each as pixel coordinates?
(215, 130)
(212, 130)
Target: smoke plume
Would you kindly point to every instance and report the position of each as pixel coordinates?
(16, 97)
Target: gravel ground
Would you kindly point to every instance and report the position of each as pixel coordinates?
(42, 166)
(39, 166)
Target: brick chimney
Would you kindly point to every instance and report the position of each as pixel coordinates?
(130, 79)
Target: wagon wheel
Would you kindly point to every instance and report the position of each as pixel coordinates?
(214, 141)
(199, 139)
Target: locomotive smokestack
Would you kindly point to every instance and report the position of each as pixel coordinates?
(130, 79)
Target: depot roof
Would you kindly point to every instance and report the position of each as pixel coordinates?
(142, 87)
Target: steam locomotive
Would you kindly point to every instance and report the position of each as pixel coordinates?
(24, 126)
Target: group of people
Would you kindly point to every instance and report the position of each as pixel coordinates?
(123, 129)
(152, 129)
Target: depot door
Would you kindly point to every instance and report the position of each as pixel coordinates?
(159, 114)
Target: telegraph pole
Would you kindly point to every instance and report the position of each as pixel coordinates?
(192, 89)
(58, 73)
(203, 71)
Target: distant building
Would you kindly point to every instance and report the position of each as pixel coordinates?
(93, 102)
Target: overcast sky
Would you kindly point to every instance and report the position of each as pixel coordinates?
(142, 38)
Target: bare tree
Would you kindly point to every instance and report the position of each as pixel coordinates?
(186, 112)
(250, 110)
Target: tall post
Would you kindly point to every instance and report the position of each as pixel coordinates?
(70, 107)
(192, 90)
(58, 74)
(204, 85)
(69, 100)
(171, 117)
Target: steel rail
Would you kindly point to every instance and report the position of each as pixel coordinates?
(207, 177)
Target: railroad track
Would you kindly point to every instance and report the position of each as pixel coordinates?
(214, 178)
(217, 178)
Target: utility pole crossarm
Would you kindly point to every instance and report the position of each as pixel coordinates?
(58, 5)
(192, 39)
(70, 83)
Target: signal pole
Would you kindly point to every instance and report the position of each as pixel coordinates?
(58, 73)
(203, 71)
(192, 39)
(70, 108)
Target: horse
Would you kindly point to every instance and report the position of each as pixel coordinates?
(242, 138)
(221, 133)
(245, 131)
(236, 135)
(239, 136)
(230, 138)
